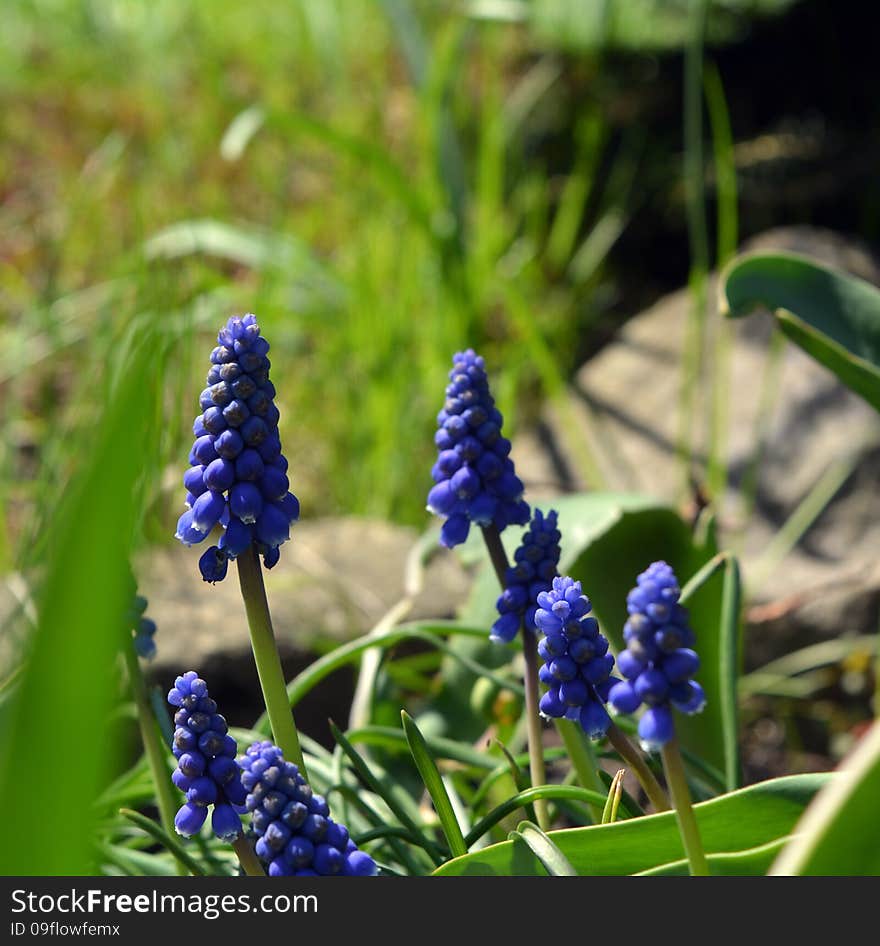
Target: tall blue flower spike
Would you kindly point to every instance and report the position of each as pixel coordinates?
(295, 834)
(577, 666)
(474, 477)
(533, 571)
(659, 659)
(206, 772)
(238, 474)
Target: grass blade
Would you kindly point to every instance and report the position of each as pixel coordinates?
(373, 783)
(434, 783)
(171, 844)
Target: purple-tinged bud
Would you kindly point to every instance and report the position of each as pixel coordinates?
(207, 510)
(273, 526)
(249, 465)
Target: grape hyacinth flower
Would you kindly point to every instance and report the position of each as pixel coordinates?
(577, 666)
(535, 565)
(143, 629)
(659, 659)
(238, 474)
(206, 772)
(474, 477)
(295, 834)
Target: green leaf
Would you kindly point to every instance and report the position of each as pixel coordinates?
(838, 832)
(833, 316)
(754, 862)
(70, 677)
(157, 833)
(521, 799)
(434, 783)
(385, 792)
(736, 822)
(552, 859)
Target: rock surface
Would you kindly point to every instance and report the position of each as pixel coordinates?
(624, 406)
(336, 579)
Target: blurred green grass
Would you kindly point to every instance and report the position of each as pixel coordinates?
(360, 174)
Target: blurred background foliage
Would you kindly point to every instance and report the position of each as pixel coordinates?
(383, 182)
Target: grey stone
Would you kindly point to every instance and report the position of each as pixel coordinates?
(336, 578)
(623, 407)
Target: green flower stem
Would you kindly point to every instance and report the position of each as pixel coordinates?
(248, 859)
(250, 577)
(684, 813)
(157, 754)
(583, 760)
(530, 654)
(628, 752)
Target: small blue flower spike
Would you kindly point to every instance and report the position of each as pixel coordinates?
(295, 834)
(143, 629)
(659, 660)
(238, 474)
(577, 666)
(533, 571)
(474, 477)
(206, 772)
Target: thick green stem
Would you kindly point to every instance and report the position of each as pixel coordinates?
(684, 812)
(628, 752)
(157, 754)
(250, 576)
(537, 770)
(248, 859)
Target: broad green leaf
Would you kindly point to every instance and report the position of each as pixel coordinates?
(833, 316)
(838, 832)
(754, 862)
(552, 859)
(739, 821)
(434, 783)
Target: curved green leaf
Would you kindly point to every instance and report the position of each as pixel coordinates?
(552, 859)
(833, 316)
(737, 822)
(838, 832)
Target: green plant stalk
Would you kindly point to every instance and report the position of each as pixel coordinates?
(583, 760)
(609, 814)
(628, 752)
(684, 812)
(156, 755)
(530, 654)
(250, 577)
(247, 857)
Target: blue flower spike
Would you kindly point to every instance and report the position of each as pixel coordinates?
(533, 571)
(659, 660)
(238, 475)
(143, 629)
(206, 771)
(474, 477)
(577, 666)
(295, 834)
